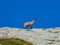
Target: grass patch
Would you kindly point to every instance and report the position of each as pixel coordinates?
(14, 41)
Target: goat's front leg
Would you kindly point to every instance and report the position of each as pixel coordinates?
(31, 26)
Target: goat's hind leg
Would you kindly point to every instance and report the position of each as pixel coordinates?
(25, 27)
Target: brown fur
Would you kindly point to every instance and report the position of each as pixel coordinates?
(29, 24)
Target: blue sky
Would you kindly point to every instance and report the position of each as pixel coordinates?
(13, 13)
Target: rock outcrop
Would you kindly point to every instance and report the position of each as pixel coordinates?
(50, 36)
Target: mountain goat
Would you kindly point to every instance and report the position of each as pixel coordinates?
(29, 24)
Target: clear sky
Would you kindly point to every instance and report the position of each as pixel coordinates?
(13, 13)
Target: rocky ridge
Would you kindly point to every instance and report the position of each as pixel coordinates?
(50, 36)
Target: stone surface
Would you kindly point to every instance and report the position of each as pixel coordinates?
(50, 36)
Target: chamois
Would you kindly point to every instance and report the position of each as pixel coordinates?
(29, 24)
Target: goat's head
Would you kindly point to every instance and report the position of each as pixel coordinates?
(34, 19)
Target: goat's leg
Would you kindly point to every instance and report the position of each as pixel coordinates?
(31, 26)
(24, 27)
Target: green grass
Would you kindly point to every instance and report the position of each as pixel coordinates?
(14, 41)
